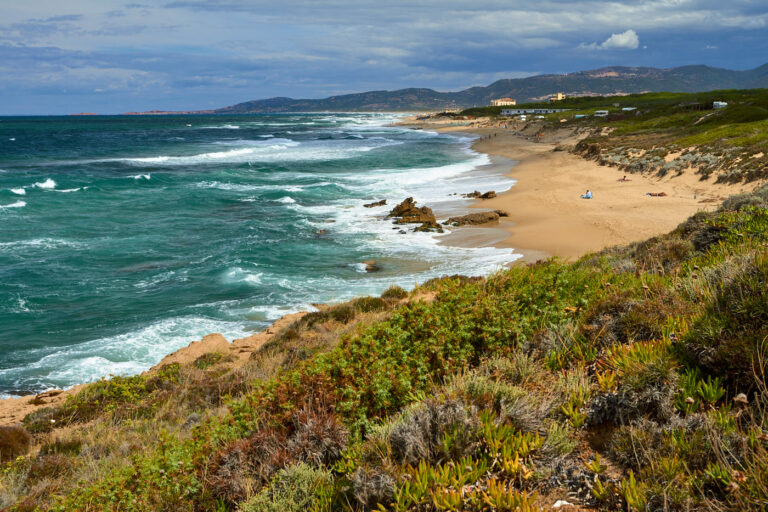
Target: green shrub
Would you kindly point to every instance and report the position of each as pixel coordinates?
(370, 304)
(727, 338)
(343, 313)
(394, 293)
(297, 488)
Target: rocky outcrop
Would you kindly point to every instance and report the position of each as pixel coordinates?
(376, 203)
(477, 194)
(408, 213)
(371, 266)
(473, 218)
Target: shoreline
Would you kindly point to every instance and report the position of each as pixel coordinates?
(546, 218)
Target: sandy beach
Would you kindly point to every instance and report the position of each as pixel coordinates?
(547, 216)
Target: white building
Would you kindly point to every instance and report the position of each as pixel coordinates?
(719, 104)
(503, 102)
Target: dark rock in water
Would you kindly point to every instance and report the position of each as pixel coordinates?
(402, 232)
(477, 194)
(473, 218)
(430, 226)
(375, 204)
(502, 213)
(321, 232)
(408, 213)
(370, 266)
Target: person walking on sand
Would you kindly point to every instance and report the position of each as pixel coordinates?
(587, 194)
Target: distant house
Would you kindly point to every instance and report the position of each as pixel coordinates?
(628, 109)
(503, 102)
(719, 104)
(557, 97)
(601, 113)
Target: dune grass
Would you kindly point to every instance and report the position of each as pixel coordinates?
(632, 379)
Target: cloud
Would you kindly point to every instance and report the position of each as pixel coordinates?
(196, 53)
(625, 41)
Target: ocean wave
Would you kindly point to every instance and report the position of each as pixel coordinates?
(235, 187)
(270, 153)
(286, 200)
(271, 142)
(160, 278)
(44, 243)
(21, 191)
(48, 184)
(220, 127)
(237, 275)
(124, 354)
(19, 305)
(17, 204)
(141, 176)
(67, 190)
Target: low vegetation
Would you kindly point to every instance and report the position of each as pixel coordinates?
(632, 379)
(670, 133)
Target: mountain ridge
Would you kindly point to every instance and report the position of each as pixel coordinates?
(609, 80)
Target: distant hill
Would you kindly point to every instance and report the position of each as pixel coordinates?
(603, 81)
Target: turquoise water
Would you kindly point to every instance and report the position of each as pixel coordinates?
(122, 239)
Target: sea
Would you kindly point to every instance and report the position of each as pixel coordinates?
(124, 238)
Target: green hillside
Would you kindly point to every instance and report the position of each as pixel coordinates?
(598, 82)
(669, 132)
(632, 379)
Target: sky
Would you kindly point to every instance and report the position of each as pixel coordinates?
(110, 56)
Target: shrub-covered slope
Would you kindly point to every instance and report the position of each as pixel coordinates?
(632, 379)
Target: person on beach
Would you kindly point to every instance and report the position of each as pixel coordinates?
(587, 194)
(624, 178)
(656, 194)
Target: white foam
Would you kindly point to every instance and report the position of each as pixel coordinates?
(162, 278)
(286, 200)
(44, 243)
(12, 139)
(141, 176)
(66, 190)
(273, 151)
(21, 191)
(123, 354)
(17, 204)
(47, 184)
(237, 275)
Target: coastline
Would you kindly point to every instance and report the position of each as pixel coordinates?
(546, 218)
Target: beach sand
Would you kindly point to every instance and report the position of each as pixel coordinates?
(547, 216)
